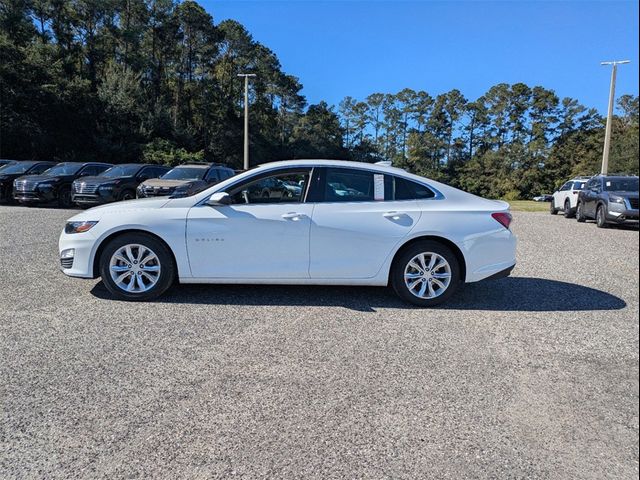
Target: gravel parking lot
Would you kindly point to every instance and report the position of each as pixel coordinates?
(535, 375)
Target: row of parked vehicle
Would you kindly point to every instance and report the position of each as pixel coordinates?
(607, 199)
(95, 183)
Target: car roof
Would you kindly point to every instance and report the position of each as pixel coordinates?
(381, 167)
(86, 163)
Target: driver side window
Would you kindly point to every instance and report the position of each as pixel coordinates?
(282, 187)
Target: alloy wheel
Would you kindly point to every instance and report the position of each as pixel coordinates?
(427, 275)
(134, 268)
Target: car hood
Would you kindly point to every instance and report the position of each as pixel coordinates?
(624, 194)
(96, 213)
(159, 182)
(98, 179)
(39, 178)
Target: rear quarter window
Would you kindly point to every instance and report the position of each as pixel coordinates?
(408, 190)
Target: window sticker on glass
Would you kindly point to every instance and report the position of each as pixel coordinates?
(608, 184)
(378, 187)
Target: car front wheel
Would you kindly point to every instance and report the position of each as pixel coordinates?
(601, 217)
(136, 267)
(580, 213)
(426, 274)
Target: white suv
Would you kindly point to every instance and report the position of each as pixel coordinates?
(566, 197)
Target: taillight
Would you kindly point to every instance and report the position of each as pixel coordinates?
(503, 218)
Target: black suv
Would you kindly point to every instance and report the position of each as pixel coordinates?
(117, 183)
(185, 180)
(609, 199)
(54, 185)
(11, 171)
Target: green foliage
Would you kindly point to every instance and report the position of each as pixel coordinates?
(164, 152)
(513, 142)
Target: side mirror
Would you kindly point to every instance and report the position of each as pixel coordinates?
(219, 199)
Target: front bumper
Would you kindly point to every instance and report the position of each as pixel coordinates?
(35, 196)
(81, 264)
(98, 198)
(622, 215)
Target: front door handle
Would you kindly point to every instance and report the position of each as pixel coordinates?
(394, 215)
(293, 216)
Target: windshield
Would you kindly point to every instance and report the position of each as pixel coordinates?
(63, 169)
(184, 173)
(121, 171)
(19, 167)
(621, 184)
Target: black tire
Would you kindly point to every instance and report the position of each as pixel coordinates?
(552, 208)
(162, 252)
(601, 216)
(401, 262)
(580, 214)
(126, 195)
(64, 197)
(568, 212)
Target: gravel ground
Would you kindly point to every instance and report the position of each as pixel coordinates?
(532, 376)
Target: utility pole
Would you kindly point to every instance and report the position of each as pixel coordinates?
(246, 117)
(612, 94)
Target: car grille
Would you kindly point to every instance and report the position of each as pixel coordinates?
(633, 202)
(156, 191)
(24, 185)
(83, 187)
(66, 262)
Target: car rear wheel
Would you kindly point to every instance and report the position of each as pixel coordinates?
(426, 274)
(568, 213)
(580, 213)
(601, 217)
(136, 267)
(552, 208)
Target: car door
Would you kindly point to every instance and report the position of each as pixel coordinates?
(254, 237)
(357, 223)
(592, 191)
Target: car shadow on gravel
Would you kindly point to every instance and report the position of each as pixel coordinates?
(517, 294)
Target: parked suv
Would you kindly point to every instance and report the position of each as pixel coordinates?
(609, 199)
(566, 197)
(54, 185)
(117, 183)
(10, 172)
(185, 180)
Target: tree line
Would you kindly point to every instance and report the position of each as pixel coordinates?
(156, 81)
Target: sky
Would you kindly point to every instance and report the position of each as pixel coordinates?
(339, 48)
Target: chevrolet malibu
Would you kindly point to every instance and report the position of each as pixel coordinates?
(348, 224)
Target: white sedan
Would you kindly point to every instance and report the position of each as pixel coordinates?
(349, 224)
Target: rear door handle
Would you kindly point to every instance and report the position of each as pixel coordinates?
(394, 215)
(293, 216)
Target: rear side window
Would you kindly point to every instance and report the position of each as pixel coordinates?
(348, 185)
(212, 175)
(407, 190)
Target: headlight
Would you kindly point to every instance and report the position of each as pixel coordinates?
(79, 227)
(615, 199)
(107, 186)
(45, 185)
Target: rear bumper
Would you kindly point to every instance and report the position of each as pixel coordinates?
(501, 274)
